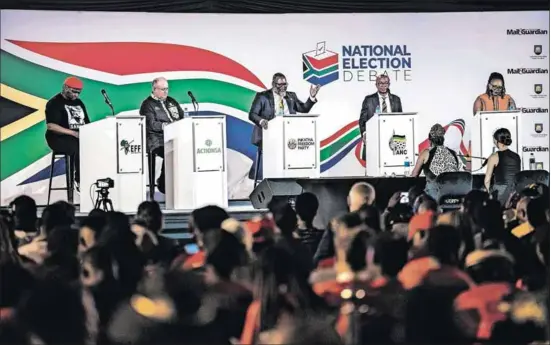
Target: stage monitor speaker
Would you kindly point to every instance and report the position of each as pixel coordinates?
(525, 178)
(274, 189)
(454, 183)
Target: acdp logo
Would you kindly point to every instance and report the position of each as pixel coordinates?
(320, 66)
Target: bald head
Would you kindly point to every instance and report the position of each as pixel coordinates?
(361, 193)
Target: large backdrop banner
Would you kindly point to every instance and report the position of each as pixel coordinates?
(438, 64)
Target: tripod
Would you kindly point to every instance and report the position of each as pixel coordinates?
(103, 202)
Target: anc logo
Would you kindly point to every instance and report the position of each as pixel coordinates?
(397, 144)
(320, 66)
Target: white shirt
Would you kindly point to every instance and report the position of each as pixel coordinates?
(387, 100)
(277, 105)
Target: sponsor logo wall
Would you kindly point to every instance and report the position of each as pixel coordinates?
(437, 63)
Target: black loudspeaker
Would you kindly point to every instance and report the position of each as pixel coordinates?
(525, 178)
(454, 183)
(451, 202)
(274, 189)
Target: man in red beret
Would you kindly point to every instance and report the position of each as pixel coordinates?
(65, 113)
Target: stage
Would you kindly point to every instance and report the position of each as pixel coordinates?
(331, 192)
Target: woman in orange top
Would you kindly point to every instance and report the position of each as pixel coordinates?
(495, 98)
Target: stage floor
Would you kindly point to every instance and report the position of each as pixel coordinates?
(177, 221)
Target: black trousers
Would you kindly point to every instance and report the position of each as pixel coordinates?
(160, 151)
(69, 145)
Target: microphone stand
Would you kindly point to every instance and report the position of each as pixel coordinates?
(111, 107)
(196, 107)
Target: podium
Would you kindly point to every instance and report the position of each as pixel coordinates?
(291, 147)
(196, 173)
(113, 148)
(529, 132)
(390, 141)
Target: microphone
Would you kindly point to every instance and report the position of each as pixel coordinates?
(108, 101)
(193, 101)
(106, 97)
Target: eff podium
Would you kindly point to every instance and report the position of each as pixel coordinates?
(113, 148)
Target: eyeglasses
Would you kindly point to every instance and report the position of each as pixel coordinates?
(164, 89)
(281, 84)
(382, 83)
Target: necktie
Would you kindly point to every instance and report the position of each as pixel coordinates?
(385, 109)
(281, 107)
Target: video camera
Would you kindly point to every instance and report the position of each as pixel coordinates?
(105, 183)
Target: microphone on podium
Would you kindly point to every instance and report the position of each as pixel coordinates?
(107, 101)
(193, 101)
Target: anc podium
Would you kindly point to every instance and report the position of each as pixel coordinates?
(529, 132)
(390, 142)
(291, 148)
(196, 173)
(113, 148)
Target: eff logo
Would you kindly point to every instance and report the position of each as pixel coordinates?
(320, 66)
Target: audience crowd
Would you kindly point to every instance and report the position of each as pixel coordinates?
(405, 272)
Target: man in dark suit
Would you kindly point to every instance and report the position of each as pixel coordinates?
(383, 99)
(159, 110)
(276, 101)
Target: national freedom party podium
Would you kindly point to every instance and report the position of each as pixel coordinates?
(196, 171)
(529, 132)
(390, 142)
(113, 148)
(291, 148)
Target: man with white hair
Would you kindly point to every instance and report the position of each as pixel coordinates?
(159, 110)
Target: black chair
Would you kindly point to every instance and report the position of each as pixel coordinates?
(525, 178)
(151, 170)
(454, 183)
(69, 176)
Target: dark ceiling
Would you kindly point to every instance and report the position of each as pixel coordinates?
(281, 6)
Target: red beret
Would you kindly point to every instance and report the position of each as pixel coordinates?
(74, 83)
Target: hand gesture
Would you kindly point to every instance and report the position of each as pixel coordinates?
(264, 124)
(314, 90)
(394, 199)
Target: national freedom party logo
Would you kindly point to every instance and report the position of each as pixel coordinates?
(320, 66)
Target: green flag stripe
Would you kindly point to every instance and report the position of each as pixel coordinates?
(28, 146)
(336, 146)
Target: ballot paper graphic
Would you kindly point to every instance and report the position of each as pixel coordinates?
(320, 66)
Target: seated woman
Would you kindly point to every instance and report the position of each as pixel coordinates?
(436, 160)
(495, 98)
(502, 165)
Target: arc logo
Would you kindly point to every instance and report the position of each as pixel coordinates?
(320, 66)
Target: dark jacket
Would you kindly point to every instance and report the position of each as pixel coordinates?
(263, 109)
(155, 116)
(370, 104)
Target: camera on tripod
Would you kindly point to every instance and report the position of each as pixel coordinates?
(105, 183)
(103, 202)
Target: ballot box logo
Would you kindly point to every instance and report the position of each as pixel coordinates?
(320, 66)
(397, 144)
(128, 149)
